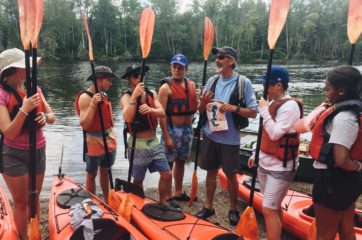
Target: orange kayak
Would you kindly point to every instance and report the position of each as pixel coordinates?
(188, 228)
(294, 220)
(7, 224)
(111, 225)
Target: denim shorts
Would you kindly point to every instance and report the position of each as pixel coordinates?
(182, 139)
(93, 162)
(16, 161)
(149, 154)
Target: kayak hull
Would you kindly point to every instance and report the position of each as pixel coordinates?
(59, 219)
(7, 224)
(294, 220)
(190, 227)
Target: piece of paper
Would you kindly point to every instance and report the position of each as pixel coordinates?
(217, 120)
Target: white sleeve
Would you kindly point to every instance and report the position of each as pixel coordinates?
(287, 115)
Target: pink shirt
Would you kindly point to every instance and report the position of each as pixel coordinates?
(22, 140)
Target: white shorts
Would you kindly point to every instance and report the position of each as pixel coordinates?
(274, 186)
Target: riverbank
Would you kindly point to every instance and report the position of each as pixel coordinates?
(220, 202)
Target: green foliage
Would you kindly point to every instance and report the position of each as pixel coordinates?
(315, 29)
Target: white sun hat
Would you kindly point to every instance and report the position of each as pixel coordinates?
(13, 58)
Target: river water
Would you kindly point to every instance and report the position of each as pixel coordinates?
(60, 81)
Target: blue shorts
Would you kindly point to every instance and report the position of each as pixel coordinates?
(182, 139)
(93, 162)
(148, 155)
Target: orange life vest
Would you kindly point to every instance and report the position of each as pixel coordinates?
(16, 101)
(183, 100)
(285, 148)
(320, 137)
(143, 122)
(106, 109)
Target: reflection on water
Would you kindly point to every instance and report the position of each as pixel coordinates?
(62, 80)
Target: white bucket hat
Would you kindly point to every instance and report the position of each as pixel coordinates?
(13, 58)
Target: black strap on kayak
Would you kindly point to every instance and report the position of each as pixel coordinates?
(1, 152)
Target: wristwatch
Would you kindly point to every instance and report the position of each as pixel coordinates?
(46, 116)
(238, 109)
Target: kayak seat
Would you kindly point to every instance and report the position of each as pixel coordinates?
(247, 183)
(69, 197)
(162, 212)
(309, 211)
(228, 236)
(104, 228)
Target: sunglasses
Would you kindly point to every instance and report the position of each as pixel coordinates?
(221, 57)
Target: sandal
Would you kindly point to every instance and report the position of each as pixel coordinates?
(183, 198)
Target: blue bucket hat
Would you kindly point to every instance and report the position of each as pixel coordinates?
(277, 74)
(180, 59)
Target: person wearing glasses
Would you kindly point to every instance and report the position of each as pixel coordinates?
(278, 159)
(228, 96)
(179, 99)
(141, 109)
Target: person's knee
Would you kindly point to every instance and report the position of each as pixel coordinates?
(91, 175)
(21, 202)
(166, 176)
(268, 212)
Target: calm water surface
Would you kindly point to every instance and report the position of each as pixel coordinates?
(61, 81)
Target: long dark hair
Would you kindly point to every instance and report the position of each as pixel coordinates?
(348, 78)
(8, 72)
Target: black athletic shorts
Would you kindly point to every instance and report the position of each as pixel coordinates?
(214, 155)
(338, 189)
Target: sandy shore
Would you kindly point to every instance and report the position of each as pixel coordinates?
(221, 207)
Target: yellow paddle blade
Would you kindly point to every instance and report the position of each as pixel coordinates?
(113, 200)
(313, 231)
(147, 23)
(194, 187)
(247, 225)
(24, 31)
(39, 5)
(34, 229)
(125, 209)
(208, 37)
(277, 17)
(90, 46)
(354, 25)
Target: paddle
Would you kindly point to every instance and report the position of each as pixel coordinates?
(354, 25)
(247, 225)
(208, 40)
(147, 23)
(30, 19)
(113, 199)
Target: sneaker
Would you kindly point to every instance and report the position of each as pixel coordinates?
(234, 217)
(173, 203)
(205, 213)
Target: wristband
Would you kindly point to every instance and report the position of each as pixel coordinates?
(238, 109)
(132, 102)
(25, 113)
(46, 116)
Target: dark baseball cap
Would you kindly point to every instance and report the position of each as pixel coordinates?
(102, 71)
(226, 50)
(277, 74)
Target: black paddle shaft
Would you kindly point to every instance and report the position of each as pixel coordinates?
(102, 127)
(201, 117)
(260, 131)
(131, 159)
(351, 54)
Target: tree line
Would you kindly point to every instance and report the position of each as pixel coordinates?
(315, 29)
